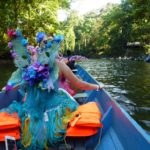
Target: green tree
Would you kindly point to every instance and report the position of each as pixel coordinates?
(31, 16)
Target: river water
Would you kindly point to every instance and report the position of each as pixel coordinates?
(128, 82)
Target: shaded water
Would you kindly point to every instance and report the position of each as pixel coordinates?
(128, 82)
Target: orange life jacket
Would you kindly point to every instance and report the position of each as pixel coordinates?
(9, 125)
(86, 120)
(10, 132)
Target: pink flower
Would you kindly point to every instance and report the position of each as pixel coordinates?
(11, 33)
(32, 49)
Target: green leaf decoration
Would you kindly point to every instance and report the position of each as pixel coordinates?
(47, 54)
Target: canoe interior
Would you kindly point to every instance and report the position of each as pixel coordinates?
(119, 132)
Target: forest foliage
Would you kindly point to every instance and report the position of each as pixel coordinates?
(102, 32)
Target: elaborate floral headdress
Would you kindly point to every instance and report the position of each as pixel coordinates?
(37, 63)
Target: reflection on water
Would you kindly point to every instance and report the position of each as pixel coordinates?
(127, 81)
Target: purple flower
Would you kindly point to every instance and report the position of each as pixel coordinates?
(31, 72)
(13, 53)
(36, 65)
(32, 49)
(45, 73)
(26, 76)
(10, 45)
(36, 73)
(8, 87)
(41, 68)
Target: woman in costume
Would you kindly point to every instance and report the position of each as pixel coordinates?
(45, 109)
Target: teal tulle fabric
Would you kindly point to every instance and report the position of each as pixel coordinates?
(45, 109)
(45, 112)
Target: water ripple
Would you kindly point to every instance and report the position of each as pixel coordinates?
(128, 82)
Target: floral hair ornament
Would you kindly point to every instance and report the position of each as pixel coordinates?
(42, 71)
(36, 73)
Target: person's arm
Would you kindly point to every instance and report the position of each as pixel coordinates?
(69, 75)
